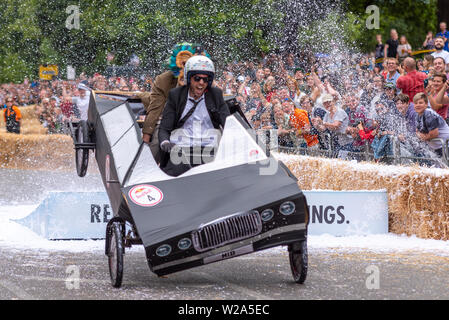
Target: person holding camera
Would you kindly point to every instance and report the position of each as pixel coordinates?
(12, 116)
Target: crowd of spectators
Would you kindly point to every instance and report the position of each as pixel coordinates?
(58, 101)
(341, 103)
(345, 103)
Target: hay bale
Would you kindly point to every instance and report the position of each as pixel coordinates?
(28, 112)
(32, 127)
(417, 197)
(34, 149)
(49, 152)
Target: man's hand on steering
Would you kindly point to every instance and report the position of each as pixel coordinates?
(166, 146)
(146, 138)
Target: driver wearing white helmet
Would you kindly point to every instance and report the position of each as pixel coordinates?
(192, 114)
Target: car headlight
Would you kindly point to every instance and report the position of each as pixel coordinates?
(267, 215)
(287, 208)
(184, 243)
(163, 250)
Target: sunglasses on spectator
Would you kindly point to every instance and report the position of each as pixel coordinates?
(198, 78)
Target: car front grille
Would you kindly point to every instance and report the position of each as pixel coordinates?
(226, 230)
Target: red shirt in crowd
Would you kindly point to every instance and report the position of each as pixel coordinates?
(67, 109)
(443, 111)
(412, 83)
(269, 95)
(367, 135)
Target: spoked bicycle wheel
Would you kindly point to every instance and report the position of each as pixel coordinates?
(298, 257)
(115, 252)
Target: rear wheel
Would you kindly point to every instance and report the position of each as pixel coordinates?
(115, 253)
(299, 260)
(82, 154)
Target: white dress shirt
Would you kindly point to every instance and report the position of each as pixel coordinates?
(198, 129)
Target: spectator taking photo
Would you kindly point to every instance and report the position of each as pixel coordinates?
(12, 116)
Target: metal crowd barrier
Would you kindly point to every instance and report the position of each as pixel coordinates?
(365, 154)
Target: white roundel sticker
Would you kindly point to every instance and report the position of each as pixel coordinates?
(146, 195)
(254, 153)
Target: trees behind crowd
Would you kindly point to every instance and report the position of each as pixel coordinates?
(413, 18)
(35, 32)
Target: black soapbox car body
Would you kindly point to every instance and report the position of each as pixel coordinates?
(243, 201)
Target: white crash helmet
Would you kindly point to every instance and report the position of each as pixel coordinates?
(199, 64)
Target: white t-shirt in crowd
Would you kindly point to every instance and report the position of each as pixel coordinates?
(297, 100)
(443, 54)
(403, 50)
(372, 113)
(82, 104)
(342, 116)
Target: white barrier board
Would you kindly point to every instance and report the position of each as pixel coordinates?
(71, 215)
(344, 213)
(84, 215)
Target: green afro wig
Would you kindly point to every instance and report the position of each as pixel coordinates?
(194, 48)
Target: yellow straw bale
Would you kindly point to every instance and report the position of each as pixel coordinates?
(418, 198)
(28, 112)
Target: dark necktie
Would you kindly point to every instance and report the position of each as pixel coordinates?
(191, 111)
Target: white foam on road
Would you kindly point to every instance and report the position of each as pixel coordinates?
(18, 237)
(14, 235)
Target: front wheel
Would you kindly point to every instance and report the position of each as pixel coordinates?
(115, 253)
(299, 260)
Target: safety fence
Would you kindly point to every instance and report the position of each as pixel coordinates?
(365, 152)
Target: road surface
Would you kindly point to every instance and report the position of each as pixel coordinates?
(333, 274)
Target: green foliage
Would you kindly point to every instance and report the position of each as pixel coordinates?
(14, 68)
(34, 31)
(412, 18)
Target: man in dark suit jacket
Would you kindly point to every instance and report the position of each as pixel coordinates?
(192, 115)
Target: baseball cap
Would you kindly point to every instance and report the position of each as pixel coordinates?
(327, 98)
(83, 86)
(389, 85)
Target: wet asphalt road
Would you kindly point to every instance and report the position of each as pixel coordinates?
(333, 273)
(31, 274)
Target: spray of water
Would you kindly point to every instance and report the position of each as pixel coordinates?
(318, 33)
